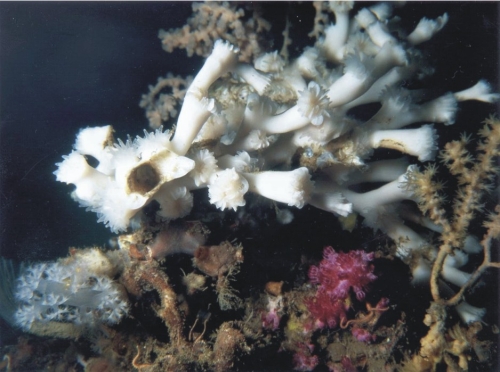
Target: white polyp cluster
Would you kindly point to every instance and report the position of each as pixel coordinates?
(128, 175)
(76, 290)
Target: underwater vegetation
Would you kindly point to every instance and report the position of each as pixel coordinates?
(289, 208)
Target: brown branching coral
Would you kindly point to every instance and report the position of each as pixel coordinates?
(218, 20)
(475, 175)
(161, 106)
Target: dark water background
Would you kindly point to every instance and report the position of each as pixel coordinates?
(64, 66)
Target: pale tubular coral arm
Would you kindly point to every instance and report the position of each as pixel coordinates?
(196, 107)
(289, 121)
(379, 171)
(471, 243)
(376, 207)
(336, 35)
(358, 77)
(407, 240)
(468, 313)
(391, 192)
(221, 61)
(394, 115)
(454, 275)
(291, 187)
(419, 142)
(427, 28)
(391, 78)
(258, 81)
(194, 114)
(379, 34)
(89, 182)
(331, 202)
(479, 92)
(281, 152)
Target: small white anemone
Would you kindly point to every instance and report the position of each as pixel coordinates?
(118, 208)
(360, 42)
(270, 62)
(174, 203)
(313, 103)
(256, 140)
(205, 166)
(227, 188)
(307, 62)
(93, 140)
(241, 162)
(152, 143)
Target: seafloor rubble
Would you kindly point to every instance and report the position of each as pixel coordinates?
(262, 230)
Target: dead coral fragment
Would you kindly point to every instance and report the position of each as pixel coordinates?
(217, 259)
(228, 341)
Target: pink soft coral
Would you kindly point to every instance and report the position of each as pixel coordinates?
(326, 311)
(336, 274)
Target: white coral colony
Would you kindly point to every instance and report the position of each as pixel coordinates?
(240, 125)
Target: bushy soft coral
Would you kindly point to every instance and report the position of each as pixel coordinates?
(336, 274)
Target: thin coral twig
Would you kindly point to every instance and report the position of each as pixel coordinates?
(134, 361)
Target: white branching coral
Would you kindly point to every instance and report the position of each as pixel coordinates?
(251, 120)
